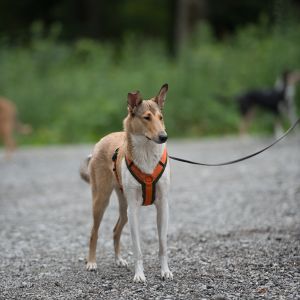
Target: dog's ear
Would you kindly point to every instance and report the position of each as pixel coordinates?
(133, 100)
(161, 97)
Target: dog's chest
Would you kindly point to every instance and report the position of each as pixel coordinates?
(130, 183)
(290, 91)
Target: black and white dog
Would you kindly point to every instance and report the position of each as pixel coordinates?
(278, 100)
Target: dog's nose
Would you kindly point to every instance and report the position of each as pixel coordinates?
(163, 137)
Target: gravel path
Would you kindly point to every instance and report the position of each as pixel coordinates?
(234, 232)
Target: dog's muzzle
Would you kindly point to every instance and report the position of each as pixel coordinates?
(162, 137)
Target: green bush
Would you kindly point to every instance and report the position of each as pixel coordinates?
(77, 92)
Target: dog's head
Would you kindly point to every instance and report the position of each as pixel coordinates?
(295, 78)
(291, 77)
(145, 117)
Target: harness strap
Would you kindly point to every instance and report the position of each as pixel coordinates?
(148, 181)
(114, 159)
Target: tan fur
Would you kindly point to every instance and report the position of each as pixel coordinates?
(99, 170)
(294, 77)
(9, 124)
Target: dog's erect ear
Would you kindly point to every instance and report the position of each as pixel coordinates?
(161, 97)
(133, 100)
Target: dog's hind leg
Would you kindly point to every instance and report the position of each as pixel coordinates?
(101, 190)
(245, 122)
(9, 143)
(119, 227)
(278, 128)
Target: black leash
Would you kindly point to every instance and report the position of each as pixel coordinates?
(239, 159)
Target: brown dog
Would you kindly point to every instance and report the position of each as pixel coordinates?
(9, 124)
(134, 164)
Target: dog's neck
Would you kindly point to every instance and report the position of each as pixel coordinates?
(143, 152)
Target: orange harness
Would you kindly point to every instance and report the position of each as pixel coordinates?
(147, 181)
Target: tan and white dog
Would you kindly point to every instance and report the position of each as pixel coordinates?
(142, 143)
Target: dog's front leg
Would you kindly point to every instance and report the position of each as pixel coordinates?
(162, 226)
(133, 218)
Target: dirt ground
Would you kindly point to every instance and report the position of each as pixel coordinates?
(234, 231)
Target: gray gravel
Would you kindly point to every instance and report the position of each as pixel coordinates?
(234, 231)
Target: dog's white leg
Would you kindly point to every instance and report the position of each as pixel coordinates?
(119, 227)
(278, 129)
(133, 218)
(162, 226)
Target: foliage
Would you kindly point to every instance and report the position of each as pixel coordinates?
(77, 92)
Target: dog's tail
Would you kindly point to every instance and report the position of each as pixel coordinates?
(84, 174)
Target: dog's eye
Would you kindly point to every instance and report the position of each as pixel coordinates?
(160, 117)
(147, 118)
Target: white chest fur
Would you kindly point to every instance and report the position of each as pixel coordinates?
(146, 155)
(290, 92)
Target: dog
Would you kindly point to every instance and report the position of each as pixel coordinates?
(278, 100)
(9, 124)
(134, 164)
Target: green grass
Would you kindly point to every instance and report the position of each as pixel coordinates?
(77, 92)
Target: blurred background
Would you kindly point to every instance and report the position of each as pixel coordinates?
(68, 65)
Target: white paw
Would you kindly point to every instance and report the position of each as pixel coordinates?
(139, 277)
(121, 262)
(166, 275)
(91, 266)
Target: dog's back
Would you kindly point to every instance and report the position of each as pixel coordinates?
(268, 99)
(102, 155)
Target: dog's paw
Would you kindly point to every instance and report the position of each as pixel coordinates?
(91, 266)
(166, 275)
(121, 262)
(139, 277)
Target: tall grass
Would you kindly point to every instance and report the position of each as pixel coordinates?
(77, 92)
